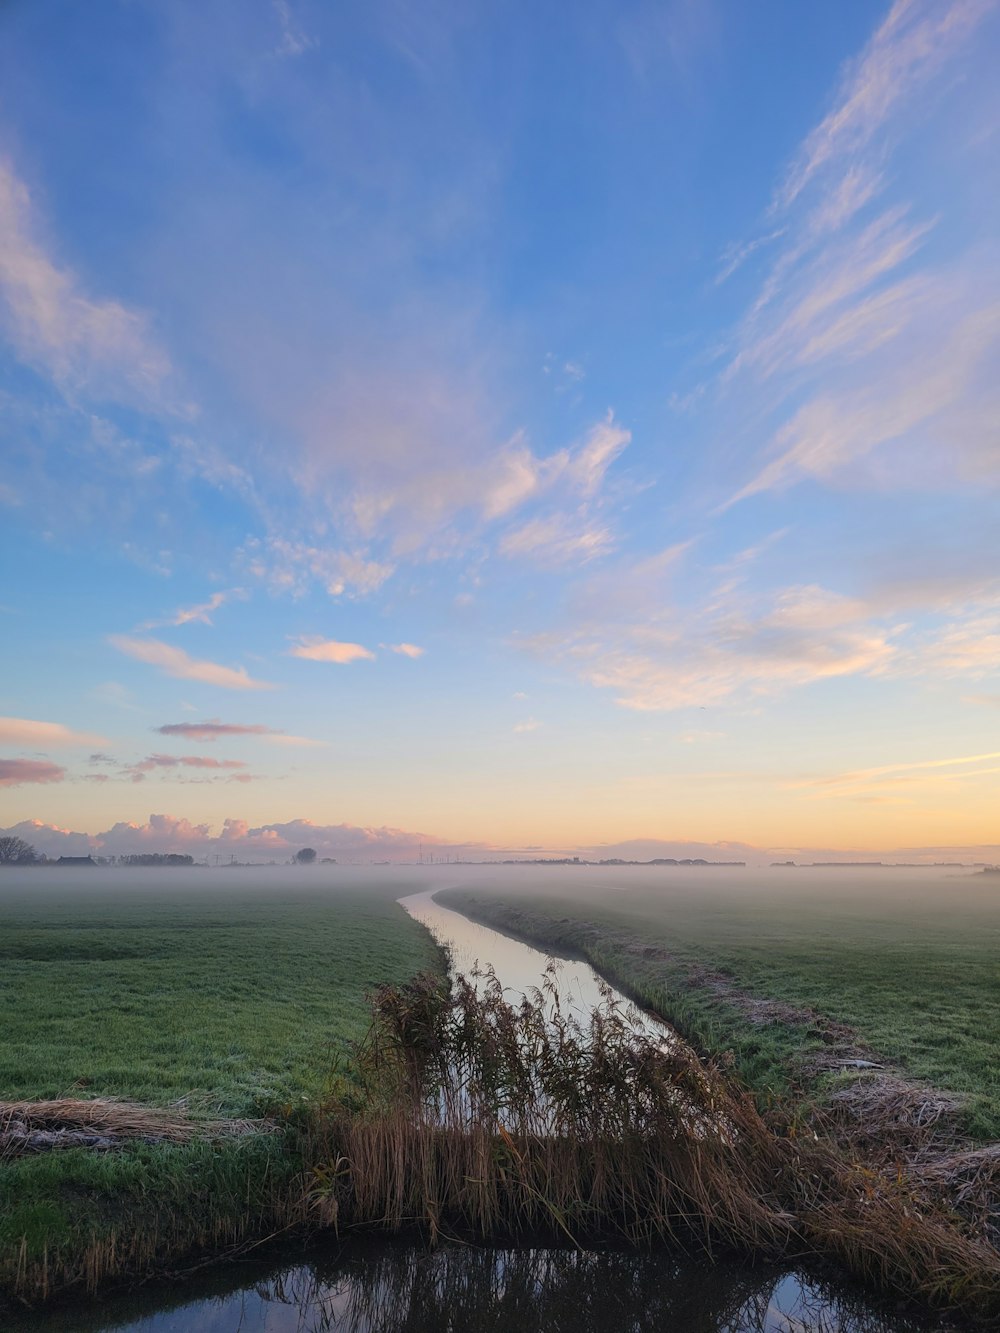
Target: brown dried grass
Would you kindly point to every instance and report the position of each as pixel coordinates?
(116, 1120)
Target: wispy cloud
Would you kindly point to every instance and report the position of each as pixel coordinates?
(908, 49)
(175, 662)
(198, 614)
(213, 730)
(405, 649)
(557, 540)
(331, 650)
(154, 761)
(19, 772)
(528, 724)
(26, 732)
(735, 255)
(169, 763)
(294, 39)
(742, 643)
(83, 342)
(892, 770)
(873, 351)
(290, 566)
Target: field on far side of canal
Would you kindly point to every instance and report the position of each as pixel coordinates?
(233, 992)
(236, 989)
(908, 960)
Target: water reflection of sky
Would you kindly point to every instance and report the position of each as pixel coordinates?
(518, 967)
(394, 1288)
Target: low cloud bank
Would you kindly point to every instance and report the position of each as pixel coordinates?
(279, 841)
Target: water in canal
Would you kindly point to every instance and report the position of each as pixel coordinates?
(388, 1286)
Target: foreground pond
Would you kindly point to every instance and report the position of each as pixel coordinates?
(391, 1288)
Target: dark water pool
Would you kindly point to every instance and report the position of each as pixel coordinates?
(385, 1287)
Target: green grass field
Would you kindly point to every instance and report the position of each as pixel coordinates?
(909, 959)
(236, 993)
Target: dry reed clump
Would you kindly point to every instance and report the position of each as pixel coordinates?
(887, 1118)
(476, 1117)
(101, 1123)
(970, 1181)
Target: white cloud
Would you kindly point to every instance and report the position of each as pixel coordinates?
(85, 343)
(27, 733)
(557, 540)
(913, 43)
(871, 349)
(199, 614)
(656, 655)
(331, 650)
(288, 566)
(175, 662)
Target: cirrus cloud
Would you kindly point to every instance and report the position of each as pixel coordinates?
(213, 730)
(175, 662)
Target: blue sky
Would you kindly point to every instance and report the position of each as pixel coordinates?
(513, 425)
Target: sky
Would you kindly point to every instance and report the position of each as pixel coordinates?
(500, 426)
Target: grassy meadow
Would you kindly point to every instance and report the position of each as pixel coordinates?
(909, 960)
(233, 992)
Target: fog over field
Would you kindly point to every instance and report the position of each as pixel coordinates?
(951, 897)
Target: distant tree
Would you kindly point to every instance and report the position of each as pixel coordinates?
(17, 852)
(305, 856)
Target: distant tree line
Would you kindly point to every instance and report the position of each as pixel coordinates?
(16, 852)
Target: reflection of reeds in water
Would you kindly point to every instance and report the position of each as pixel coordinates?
(401, 1290)
(478, 1118)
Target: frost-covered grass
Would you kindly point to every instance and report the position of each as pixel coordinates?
(233, 991)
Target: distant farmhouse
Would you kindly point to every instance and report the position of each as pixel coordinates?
(76, 861)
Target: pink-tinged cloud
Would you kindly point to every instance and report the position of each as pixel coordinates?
(175, 662)
(25, 731)
(330, 650)
(166, 833)
(185, 761)
(157, 762)
(213, 729)
(83, 342)
(18, 772)
(200, 614)
(406, 649)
